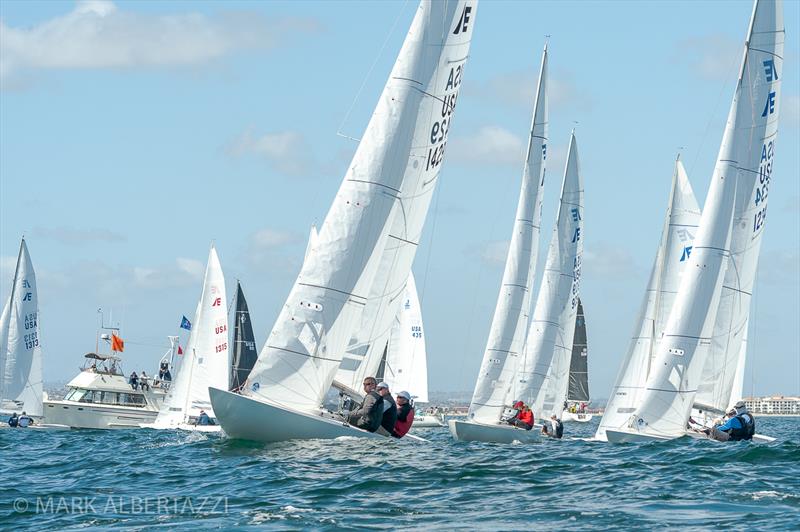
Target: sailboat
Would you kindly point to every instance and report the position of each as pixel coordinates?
(366, 244)
(675, 247)
(709, 299)
(244, 342)
(578, 391)
(20, 348)
(548, 347)
(505, 343)
(205, 360)
(405, 364)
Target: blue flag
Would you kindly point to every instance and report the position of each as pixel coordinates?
(186, 324)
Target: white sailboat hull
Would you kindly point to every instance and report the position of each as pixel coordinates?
(471, 431)
(581, 418)
(621, 436)
(248, 419)
(428, 421)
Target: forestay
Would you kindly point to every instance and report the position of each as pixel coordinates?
(674, 250)
(745, 159)
(365, 247)
(549, 342)
(754, 150)
(406, 361)
(20, 349)
(510, 320)
(205, 361)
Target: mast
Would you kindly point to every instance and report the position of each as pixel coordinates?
(506, 335)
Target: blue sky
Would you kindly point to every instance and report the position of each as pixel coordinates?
(132, 134)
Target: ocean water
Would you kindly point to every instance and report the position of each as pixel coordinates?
(141, 479)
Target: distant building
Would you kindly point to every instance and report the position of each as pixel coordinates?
(777, 405)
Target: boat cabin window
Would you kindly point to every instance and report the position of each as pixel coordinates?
(106, 398)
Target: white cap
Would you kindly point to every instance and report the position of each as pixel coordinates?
(404, 395)
(382, 385)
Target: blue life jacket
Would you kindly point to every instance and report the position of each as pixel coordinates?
(746, 428)
(12, 421)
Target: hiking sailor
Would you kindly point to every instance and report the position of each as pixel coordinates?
(370, 414)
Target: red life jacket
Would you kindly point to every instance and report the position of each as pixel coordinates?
(526, 416)
(402, 427)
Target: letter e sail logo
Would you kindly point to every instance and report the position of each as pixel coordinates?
(463, 21)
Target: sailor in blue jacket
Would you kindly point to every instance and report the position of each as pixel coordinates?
(741, 425)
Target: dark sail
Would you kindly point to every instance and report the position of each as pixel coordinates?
(244, 343)
(578, 368)
(380, 375)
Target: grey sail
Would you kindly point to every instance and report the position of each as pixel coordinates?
(244, 342)
(579, 368)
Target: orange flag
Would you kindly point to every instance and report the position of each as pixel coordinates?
(117, 344)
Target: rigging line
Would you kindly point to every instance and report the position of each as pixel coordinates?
(732, 66)
(389, 34)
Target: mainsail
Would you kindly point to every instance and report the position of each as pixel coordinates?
(507, 333)
(20, 349)
(244, 342)
(549, 342)
(737, 196)
(579, 363)
(206, 362)
(363, 253)
(674, 250)
(754, 143)
(406, 363)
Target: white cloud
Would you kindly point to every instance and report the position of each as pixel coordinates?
(609, 261)
(288, 151)
(72, 236)
(192, 267)
(711, 56)
(518, 89)
(488, 145)
(269, 238)
(98, 34)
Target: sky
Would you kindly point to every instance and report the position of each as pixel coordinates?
(135, 134)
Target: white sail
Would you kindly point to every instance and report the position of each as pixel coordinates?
(551, 331)
(754, 152)
(674, 250)
(510, 320)
(20, 348)
(406, 360)
(205, 359)
(312, 240)
(400, 155)
(745, 158)
(737, 389)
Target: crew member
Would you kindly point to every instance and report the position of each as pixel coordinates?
(370, 414)
(24, 420)
(203, 419)
(13, 421)
(524, 417)
(556, 428)
(741, 425)
(405, 415)
(389, 418)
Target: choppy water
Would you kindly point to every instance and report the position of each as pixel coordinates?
(140, 478)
